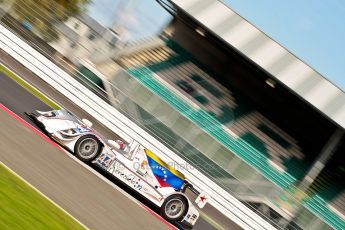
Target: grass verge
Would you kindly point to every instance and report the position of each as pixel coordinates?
(28, 87)
(21, 207)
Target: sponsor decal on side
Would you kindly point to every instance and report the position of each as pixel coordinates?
(119, 170)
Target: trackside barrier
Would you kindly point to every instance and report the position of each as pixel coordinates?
(121, 125)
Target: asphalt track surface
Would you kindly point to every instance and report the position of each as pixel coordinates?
(92, 201)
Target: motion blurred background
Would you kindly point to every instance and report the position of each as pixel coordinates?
(225, 115)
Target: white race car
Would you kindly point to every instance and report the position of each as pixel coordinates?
(131, 163)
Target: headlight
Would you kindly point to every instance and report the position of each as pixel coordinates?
(71, 131)
(68, 133)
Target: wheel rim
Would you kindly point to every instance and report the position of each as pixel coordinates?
(88, 148)
(174, 208)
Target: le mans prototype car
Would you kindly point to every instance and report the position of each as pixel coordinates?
(130, 163)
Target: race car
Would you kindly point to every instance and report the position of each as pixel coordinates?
(131, 163)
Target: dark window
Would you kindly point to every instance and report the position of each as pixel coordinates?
(73, 44)
(91, 36)
(113, 41)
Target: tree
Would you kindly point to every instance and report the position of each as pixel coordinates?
(42, 15)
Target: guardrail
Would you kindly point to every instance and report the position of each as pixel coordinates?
(121, 125)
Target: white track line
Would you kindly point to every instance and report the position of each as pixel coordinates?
(65, 151)
(49, 97)
(43, 195)
(93, 171)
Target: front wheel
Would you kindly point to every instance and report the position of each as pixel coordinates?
(174, 208)
(87, 148)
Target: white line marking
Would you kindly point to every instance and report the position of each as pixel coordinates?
(140, 204)
(40, 193)
(29, 83)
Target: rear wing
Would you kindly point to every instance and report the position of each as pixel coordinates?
(202, 198)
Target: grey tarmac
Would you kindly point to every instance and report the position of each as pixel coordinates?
(19, 101)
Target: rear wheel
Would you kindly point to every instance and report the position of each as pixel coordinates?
(174, 207)
(87, 148)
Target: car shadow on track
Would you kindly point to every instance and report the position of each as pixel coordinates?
(106, 175)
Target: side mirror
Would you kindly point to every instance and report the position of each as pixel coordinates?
(87, 122)
(113, 144)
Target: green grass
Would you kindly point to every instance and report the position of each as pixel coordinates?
(21, 207)
(28, 87)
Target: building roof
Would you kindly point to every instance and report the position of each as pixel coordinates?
(67, 31)
(85, 19)
(276, 60)
(92, 23)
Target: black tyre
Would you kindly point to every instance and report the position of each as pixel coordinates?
(174, 208)
(87, 148)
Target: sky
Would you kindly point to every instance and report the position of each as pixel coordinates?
(143, 18)
(314, 30)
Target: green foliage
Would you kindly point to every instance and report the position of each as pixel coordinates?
(44, 14)
(21, 207)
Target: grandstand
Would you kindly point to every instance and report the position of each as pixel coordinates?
(274, 144)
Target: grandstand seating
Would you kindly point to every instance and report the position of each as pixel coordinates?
(224, 114)
(173, 66)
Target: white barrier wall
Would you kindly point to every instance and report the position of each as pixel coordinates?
(125, 128)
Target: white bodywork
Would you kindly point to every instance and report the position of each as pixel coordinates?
(128, 166)
(134, 171)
